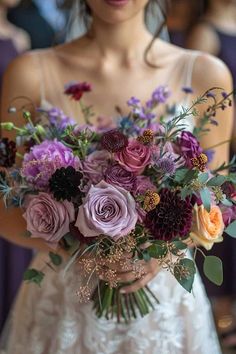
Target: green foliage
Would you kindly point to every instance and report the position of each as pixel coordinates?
(184, 272)
(213, 269)
(216, 181)
(206, 198)
(203, 177)
(231, 229)
(33, 276)
(56, 259)
(158, 249)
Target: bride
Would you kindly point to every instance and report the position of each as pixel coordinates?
(116, 57)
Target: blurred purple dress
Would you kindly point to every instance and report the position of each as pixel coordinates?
(13, 259)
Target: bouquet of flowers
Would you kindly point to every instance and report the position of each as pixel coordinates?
(121, 196)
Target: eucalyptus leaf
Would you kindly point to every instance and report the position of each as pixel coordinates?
(206, 198)
(179, 245)
(180, 175)
(184, 272)
(231, 229)
(158, 250)
(227, 202)
(33, 276)
(56, 259)
(213, 269)
(216, 181)
(203, 177)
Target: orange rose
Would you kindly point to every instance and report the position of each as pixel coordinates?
(207, 227)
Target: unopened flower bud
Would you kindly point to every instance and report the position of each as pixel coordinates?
(7, 126)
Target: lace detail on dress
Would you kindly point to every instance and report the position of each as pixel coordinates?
(49, 320)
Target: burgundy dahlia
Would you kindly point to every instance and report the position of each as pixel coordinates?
(171, 218)
(7, 152)
(77, 89)
(114, 141)
(228, 189)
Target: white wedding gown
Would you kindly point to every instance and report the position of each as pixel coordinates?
(50, 320)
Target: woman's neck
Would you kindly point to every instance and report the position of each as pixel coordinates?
(122, 41)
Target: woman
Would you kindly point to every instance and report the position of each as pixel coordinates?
(13, 41)
(215, 33)
(111, 56)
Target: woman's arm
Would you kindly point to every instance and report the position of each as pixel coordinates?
(211, 72)
(21, 79)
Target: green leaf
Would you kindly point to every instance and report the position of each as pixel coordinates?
(226, 202)
(213, 269)
(33, 276)
(206, 198)
(180, 175)
(203, 177)
(56, 259)
(158, 250)
(231, 229)
(178, 246)
(216, 181)
(184, 272)
(185, 192)
(190, 175)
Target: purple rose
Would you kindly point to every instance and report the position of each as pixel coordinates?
(142, 184)
(134, 157)
(107, 210)
(48, 219)
(95, 165)
(189, 147)
(118, 176)
(44, 159)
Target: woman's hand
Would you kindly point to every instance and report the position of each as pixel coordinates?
(139, 274)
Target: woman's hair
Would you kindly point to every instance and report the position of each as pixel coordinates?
(163, 5)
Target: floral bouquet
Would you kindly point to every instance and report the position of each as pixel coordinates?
(116, 198)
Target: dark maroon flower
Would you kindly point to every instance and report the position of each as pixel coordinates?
(7, 152)
(118, 176)
(189, 147)
(171, 218)
(114, 141)
(228, 189)
(77, 89)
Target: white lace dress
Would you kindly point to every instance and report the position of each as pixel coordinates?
(49, 320)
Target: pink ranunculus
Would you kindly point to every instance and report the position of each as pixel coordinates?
(95, 165)
(48, 219)
(142, 184)
(107, 210)
(134, 157)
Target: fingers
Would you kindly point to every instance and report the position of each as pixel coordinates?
(137, 284)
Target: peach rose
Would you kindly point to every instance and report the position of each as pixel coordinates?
(207, 226)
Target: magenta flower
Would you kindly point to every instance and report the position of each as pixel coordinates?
(77, 89)
(95, 165)
(134, 157)
(107, 210)
(189, 147)
(44, 159)
(142, 184)
(118, 176)
(48, 219)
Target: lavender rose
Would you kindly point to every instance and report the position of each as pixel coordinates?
(44, 159)
(142, 184)
(48, 219)
(189, 147)
(107, 210)
(95, 164)
(134, 157)
(118, 176)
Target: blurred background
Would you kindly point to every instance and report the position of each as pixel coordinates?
(206, 25)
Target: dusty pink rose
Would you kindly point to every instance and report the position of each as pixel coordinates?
(142, 184)
(48, 219)
(95, 165)
(107, 210)
(134, 157)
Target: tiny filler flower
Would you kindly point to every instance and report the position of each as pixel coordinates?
(77, 89)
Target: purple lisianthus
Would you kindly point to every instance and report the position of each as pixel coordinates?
(187, 89)
(44, 159)
(95, 165)
(160, 94)
(118, 176)
(59, 119)
(133, 101)
(189, 146)
(142, 184)
(48, 219)
(107, 210)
